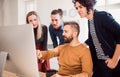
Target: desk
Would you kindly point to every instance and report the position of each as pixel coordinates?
(10, 74)
(9, 66)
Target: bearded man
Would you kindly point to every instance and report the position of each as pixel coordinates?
(74, 57)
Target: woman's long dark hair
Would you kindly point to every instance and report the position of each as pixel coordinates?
(89, 4)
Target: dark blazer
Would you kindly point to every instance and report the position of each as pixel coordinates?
(108, 33)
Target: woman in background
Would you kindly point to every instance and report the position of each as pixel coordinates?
(40, 33)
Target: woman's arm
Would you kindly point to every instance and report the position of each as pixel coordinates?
(45, 36)
(112, 63)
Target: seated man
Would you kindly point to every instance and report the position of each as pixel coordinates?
(74, 57)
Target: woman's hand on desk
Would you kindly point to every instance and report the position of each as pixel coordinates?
(39, 54)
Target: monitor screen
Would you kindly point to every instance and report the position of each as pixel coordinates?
(19, 42)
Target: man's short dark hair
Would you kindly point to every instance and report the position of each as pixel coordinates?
(57, 11)
(74, 25)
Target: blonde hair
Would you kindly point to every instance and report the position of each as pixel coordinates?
(39, 28)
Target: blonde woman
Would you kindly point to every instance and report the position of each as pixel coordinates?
(40, 33)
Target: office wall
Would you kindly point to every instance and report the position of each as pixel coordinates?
(9, 12)
(1, 16)
(46, 6)
(21, 12)
(12, 12)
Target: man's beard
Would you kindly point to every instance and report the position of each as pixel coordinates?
(68, 40)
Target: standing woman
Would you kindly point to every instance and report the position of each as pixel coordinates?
(103, 39)
(40, 33)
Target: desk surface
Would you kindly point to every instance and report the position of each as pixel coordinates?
(10, 74)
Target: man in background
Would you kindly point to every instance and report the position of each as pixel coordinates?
(56, 27)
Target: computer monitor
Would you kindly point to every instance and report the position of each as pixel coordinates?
(18, 41)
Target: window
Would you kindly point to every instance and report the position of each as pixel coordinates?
(30, 5)
(114, 1)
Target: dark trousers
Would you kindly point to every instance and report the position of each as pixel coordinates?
(101, 70)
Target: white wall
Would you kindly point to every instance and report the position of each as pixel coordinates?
(1, 2)
(21, 12)
(12, 12)
(0, 19)
(9, 12)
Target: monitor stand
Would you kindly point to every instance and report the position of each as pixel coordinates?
(3, 58)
